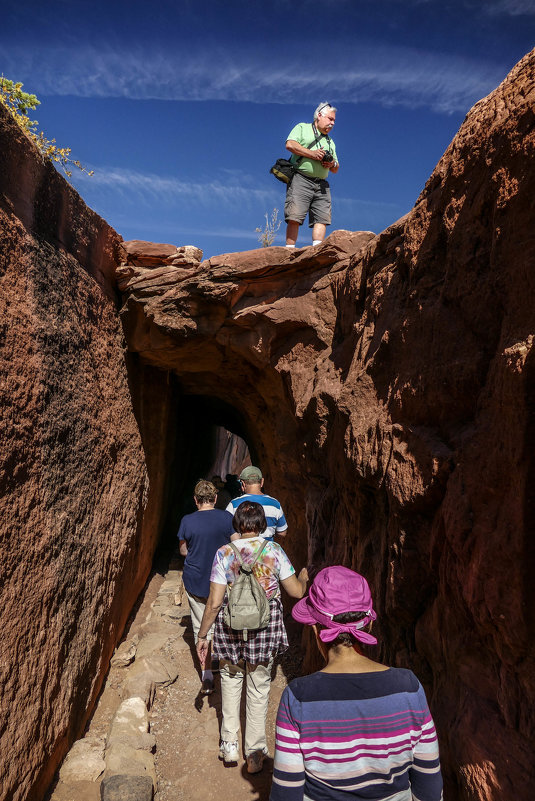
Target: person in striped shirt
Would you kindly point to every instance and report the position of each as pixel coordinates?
(356, 729)
(252, 481)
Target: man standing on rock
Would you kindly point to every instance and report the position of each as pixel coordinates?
(313, 157)
(200, 535)
(252, 482)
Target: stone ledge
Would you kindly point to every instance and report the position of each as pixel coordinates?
(121, 765)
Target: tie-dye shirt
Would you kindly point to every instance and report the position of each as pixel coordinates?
(272, 567)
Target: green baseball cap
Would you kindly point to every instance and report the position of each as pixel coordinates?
(250, 472)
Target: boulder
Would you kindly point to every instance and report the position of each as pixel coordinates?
(131, 719)
(147, 253)
(129, 744)
(187, 254)
(125, 653)
(126, 788)
(84, 762)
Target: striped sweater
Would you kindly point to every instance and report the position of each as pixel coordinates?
(344, 736)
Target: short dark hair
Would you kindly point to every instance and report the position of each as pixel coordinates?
(249, 516)
(349, 617)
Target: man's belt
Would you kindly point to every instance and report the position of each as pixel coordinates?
(312, 178)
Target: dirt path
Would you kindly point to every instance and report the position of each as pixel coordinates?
(186, 726)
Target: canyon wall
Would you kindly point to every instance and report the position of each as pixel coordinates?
(384, 383)
(78, 523)
(386, 387)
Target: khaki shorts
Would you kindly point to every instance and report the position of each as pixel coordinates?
(197, 605)
(308, 197)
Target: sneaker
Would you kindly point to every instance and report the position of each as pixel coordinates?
(255, 761)
(228, 751)
(207, 687)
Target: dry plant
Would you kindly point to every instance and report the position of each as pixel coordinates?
(267, 234)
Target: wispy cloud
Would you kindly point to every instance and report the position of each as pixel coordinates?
(175, 232)
(146, 205)
(134, 189)
(140, 187)
(494, 7)
(389, 75)
(178, 233)
(513, 8)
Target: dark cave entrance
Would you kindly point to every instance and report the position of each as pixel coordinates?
(190, 422)
(210, 438)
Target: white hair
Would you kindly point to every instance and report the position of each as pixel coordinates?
(321, 108)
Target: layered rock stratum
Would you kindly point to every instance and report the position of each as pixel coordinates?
(385, 384)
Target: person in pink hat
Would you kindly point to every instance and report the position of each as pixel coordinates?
(356, 729)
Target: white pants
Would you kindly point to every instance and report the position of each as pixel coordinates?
(257, 684)
(197, 606)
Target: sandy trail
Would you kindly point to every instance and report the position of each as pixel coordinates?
(186, 726)
(184, 723)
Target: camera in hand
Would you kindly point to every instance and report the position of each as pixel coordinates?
(328, 157)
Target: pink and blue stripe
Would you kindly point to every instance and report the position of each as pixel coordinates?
(356, 736)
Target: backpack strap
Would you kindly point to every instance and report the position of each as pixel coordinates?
(240, 560)
(258, 555)
(237, 552)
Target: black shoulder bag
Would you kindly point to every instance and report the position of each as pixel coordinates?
(284, 169)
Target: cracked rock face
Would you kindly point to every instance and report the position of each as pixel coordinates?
(386, 384)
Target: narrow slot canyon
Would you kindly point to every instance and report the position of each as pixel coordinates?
(384, 384)
(205, 438)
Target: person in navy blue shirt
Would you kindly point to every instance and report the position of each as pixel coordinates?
(200, 535)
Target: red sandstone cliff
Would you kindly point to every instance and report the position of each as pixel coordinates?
(384, 383)
(75, 544)
(386, 387)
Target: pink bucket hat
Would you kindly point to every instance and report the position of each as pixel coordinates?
(336, 590)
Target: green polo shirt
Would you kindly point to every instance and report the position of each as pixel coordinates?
(303, 133)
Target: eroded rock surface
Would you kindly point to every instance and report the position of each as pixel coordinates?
(386, 386)
(74, 548)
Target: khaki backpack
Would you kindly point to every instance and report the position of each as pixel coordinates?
(248, 606)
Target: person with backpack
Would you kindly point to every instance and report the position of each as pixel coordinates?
(308, 192)
(247, 638)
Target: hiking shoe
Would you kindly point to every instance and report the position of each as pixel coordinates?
(207, 687)
(228, 752)
(255, 761)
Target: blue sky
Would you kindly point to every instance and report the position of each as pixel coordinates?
(181, 107)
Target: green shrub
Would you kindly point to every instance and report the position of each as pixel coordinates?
(19, 104)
